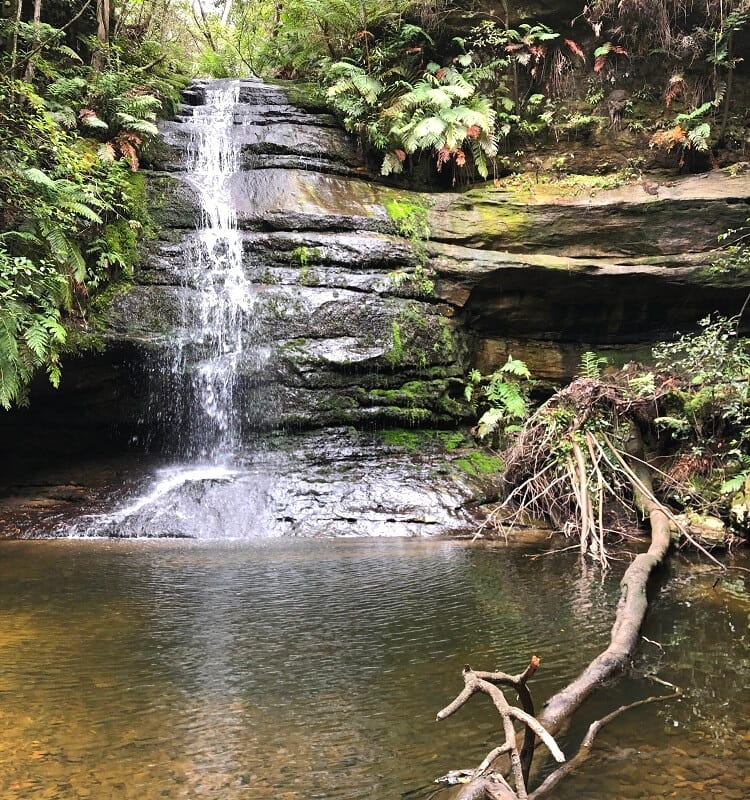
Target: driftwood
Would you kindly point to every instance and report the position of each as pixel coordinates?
(486, 682)
(584, 751)
(631, 610)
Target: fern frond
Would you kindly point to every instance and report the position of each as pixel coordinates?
(391, 165)
(36, 337)
(39, 178)
(514, 366)
(82, 210)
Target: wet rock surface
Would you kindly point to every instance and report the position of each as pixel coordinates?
(337, 482)
(271, 133)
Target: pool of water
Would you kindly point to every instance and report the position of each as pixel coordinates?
(286, 669)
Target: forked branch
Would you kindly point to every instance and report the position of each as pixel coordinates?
(486, 682)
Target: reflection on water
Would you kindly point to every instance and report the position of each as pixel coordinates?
(313, 669)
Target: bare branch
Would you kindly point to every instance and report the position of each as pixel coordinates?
(485, 682)
(584, 752)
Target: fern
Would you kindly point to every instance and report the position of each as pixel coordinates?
(392, 164)
(89, 119)
(507, 396)
(735, 484)
(591, 365)
(36, 337)
(504, 395)
(488, 422)
(36, 176)
(514, 366)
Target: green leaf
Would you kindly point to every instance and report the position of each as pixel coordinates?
(488, 422)
(735, 484)
(92, 121)
(514, 366)
(39, 178)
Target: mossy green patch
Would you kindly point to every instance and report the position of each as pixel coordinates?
(479, 462)
(403, 439)
(425, 439)
(418, 336)
(395, 354)
(452, 441)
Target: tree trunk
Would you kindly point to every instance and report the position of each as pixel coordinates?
(728, 91)
(203, 26)
(103, 19)
(29, 74)
(14, 41)
(226, 11)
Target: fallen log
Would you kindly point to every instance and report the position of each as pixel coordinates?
(629, 616)
(486, 682)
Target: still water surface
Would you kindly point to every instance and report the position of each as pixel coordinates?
(292, 669)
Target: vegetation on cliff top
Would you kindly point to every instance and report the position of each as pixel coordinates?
(475, 84)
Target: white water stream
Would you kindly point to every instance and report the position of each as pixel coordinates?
(218, 334)
(217, 316)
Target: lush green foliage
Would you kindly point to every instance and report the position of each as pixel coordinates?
(734, 258)
(394, 77)
(72, 208)
(696, 51)
(711, 392)
(439, 113)
(502, 399)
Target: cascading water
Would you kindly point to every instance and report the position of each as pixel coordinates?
(214, 378)
(201, 399)
(218, 325)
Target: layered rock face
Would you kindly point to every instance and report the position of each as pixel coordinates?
(350, 335)
(356, 327)
(548, 271)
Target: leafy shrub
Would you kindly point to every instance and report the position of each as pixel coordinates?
(69, 222)
(439, 113)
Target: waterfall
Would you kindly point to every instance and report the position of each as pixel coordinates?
(217, 325)
(201, 402)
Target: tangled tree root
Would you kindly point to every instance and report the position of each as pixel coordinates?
(579, 462)
(578, 485)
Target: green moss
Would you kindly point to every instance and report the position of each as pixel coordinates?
(305, 94)
(452, 441)
(410, 335)
(404, 439)
(411, 394)
(445, 345)
(411, 416)
(395, 355)
(409, 214)
(303, 255)
(79, 341)
(479, 462)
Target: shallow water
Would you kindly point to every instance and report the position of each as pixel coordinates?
(313, 669)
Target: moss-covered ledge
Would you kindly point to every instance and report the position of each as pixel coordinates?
(576, 217)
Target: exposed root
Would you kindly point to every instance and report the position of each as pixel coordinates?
(572, 465)
(584, 751)
(560, 471)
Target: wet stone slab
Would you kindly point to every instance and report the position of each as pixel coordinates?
(333, 483)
